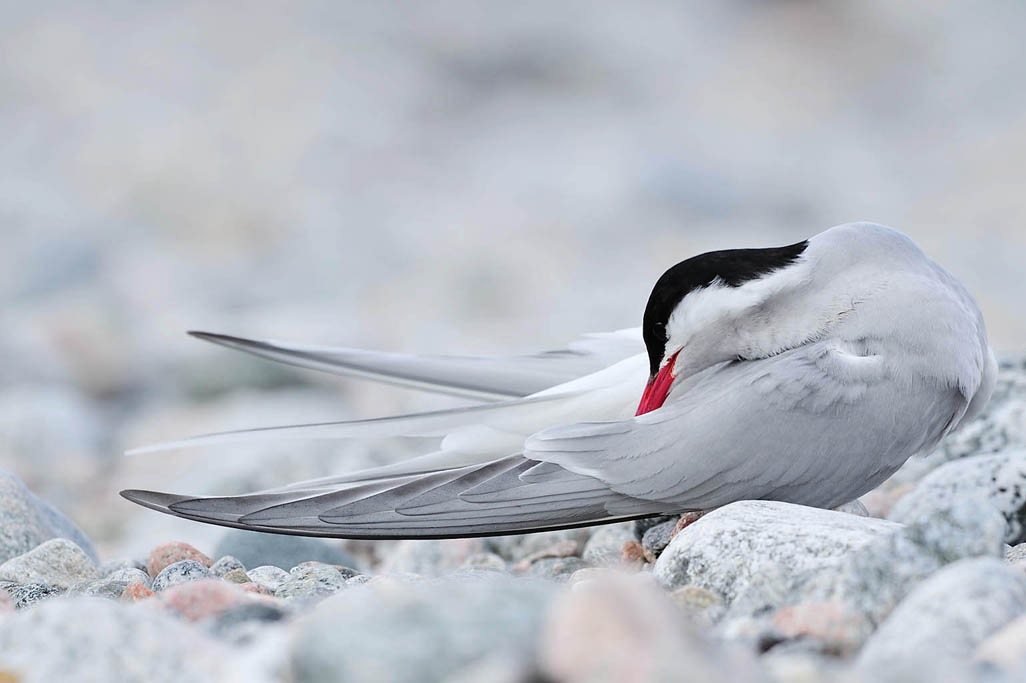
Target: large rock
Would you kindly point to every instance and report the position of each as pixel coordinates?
(26, 521)
(761, 552)
(996, 482)
(91, 639)
(936, 629)
(762, 555)
(255, 549)
(57, 562)
(418, 631)
(619, 628)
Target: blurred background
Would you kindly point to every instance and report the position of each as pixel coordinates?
(442, 177)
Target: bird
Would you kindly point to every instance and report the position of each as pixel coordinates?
(807, 374)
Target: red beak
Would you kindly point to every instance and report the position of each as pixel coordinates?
(657, 388)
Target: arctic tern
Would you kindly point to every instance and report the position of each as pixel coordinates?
(807, 373)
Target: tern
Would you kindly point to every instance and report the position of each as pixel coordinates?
(807, 374)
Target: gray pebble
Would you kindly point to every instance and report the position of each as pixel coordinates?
(225, 565)
(558, 568)
(310, 582)
(100, 588)
(657, 537)
(111, 566)
(27, 521)
(131, 575)
(268, 576)
(178, 573)
(25, 594)
(641, 526)
(605, 547)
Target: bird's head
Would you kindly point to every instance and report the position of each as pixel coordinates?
(702, 311)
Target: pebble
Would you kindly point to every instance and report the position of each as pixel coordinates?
(1005, 650)
(943, 620)
(837, 628)
(225, 565)
(168, 554)
(136, 591)
(90, 639)
(605, 547)
(228, 622)
(556, 568)
(202, 598)
(101, 588)
(254, 549)
(267, 576)
(419, 631)
(621, 628)
(640, 526)
(130, 575)
(236, 576)
(657, 538)
(57, 562)
(311, 581)
(27, 521)
(111, 566)
(346, 572)
(23, 595)
(178, 573)
(519, 547)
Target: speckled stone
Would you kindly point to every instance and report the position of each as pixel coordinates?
(24, 595)
(101, 588)
(236, 576)
(135, 592)
(26, 521)
(310, 582)
(269, 577)
(57, 562)
(345, 572)
(225, 565)
(657, 538)
(178, 573)
(130, 575)
(431, 557)
(165, 555)
(487, 561)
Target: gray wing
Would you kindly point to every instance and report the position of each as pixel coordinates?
(819, 425)
(480, 378)
(477, 500)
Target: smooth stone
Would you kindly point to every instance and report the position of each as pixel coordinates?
(640, 526)
(488, 561)
(657, 537)
(622, 628)
(130, 575)
(57, 562)
(418, 631)
(101, 588)
(269, 577)
(230, 623)
(762, 551)
(315, 581)
(557, 568)
(23, 595)
(179, 573)
(165, 555)
(992, 482)
(254, 549)
(236, 576)
(700, 605)
(605, 547)
(1005, 650)
(939, 625)
(27, 520)
(90, 639)
(226, 564)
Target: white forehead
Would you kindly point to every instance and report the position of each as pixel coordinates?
(702, 307)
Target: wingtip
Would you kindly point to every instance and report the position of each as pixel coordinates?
(154, 500)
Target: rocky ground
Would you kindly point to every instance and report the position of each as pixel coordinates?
(924, 579)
